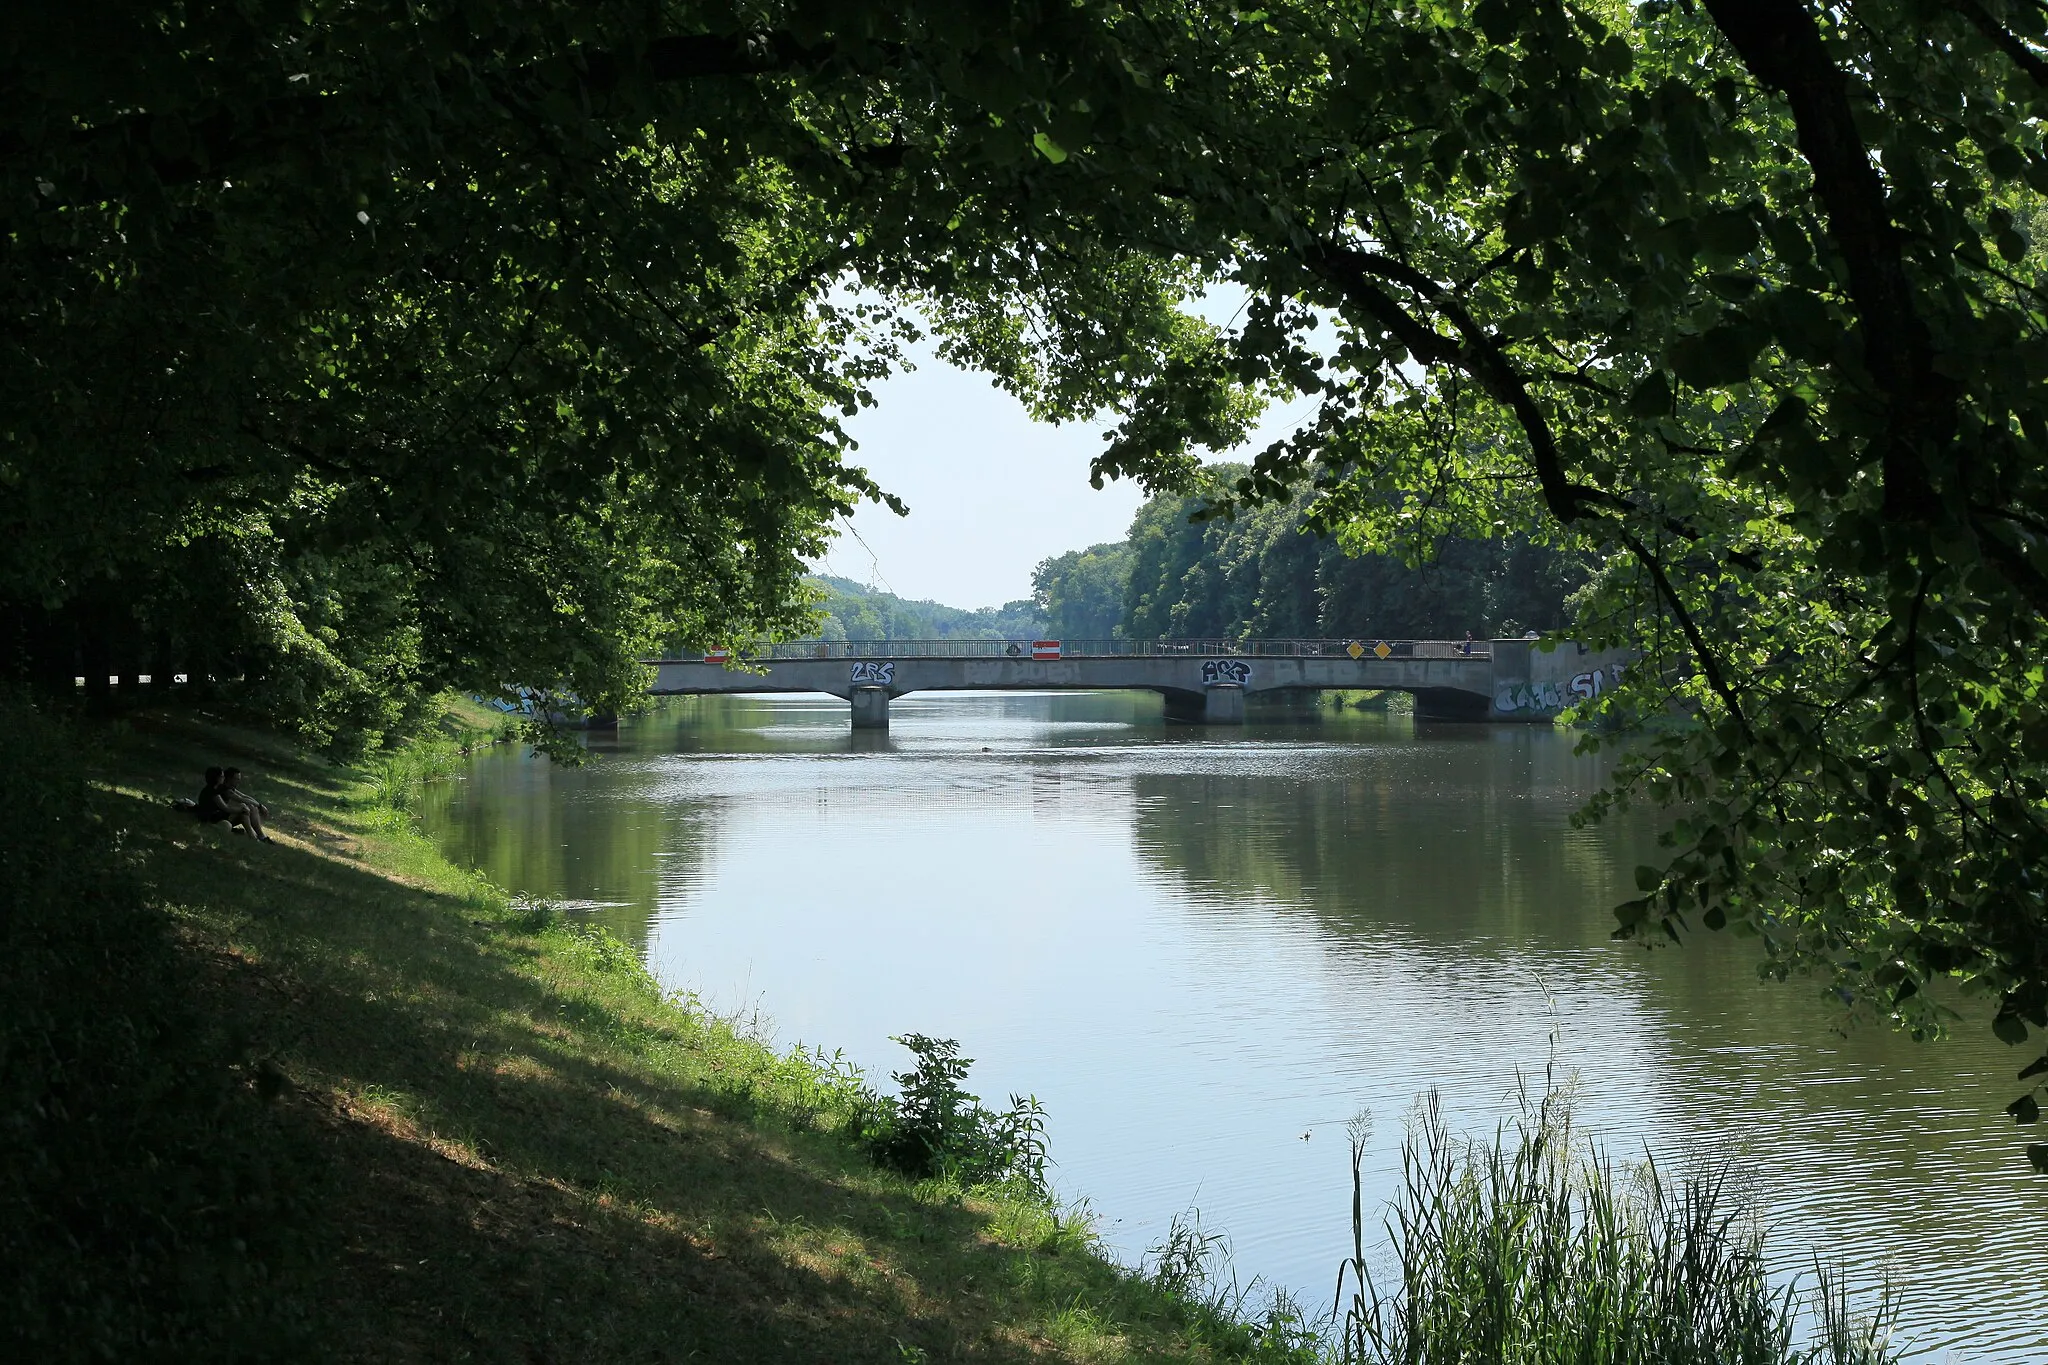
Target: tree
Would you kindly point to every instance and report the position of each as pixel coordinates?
(863, 613)
(1081, 593)
(1264, 573)
(360, 350)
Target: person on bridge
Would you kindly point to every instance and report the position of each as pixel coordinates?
(1468, 643)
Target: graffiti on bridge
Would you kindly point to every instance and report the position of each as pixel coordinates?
(1553, 697)
(1216, 671)
(881, 671)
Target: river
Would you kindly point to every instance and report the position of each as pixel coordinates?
(1205, 950)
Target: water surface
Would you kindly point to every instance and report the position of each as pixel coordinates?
(1205, 950)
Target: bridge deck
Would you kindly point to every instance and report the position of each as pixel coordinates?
(1499, 680)
(1117, 649)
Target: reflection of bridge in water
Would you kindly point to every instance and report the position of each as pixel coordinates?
(1202, 680)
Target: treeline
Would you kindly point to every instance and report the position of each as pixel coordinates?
(855, 612)
(1264, 574)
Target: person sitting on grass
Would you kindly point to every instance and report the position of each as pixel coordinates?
(254, 812)
(221, 799)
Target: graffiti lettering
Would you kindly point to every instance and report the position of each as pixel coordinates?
(1542, 698)
(1225, 671)
(875, 671)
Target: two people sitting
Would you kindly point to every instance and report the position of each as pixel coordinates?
(222, 798)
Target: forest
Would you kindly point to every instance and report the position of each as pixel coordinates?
(1266, 573)
(855, 611)
(1262, 573)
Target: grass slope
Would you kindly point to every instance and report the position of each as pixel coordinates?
(396, 1116)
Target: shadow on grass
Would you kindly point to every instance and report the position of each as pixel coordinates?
(506, 1160)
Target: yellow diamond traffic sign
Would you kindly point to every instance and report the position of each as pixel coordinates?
(1354, 649)
(1383, 649)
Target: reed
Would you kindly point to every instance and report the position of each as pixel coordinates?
(1532, 1250)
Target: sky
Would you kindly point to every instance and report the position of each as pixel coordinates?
(991, 492)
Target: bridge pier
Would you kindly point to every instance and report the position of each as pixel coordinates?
(1221, 704)
(870, 708)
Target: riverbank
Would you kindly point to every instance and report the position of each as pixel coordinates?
(335, 1097)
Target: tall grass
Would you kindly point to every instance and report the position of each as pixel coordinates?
(1193, 1267)
(398, 774)
(1530, 1251)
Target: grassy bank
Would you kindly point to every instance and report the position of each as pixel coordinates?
(335, 1097)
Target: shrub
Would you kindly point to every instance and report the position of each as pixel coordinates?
(938, 1129)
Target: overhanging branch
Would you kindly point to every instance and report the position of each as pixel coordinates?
(1474, 351)
(1781, 45)
(2004, 39)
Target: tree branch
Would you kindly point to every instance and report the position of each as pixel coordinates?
(2004, 39)
(1781, 45)
(1709, 664)
(1475, 352)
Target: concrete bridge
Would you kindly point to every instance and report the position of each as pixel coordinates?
(1205, 681)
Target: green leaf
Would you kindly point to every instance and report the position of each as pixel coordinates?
(1615, 57)
(1648, 878)
(1047, 148)
(2025, 1109)
(1731, 233)
(1717, 358)
(1652, 397)
(1733, 288)
(2009, 1028)
(1803, 323)
(2005, 161)
(1496, 19)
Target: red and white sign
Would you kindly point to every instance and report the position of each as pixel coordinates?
(1045, 649)
(717, 656)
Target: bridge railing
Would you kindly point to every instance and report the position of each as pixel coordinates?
(1098, 649)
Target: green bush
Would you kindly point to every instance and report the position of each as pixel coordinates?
(937, 1129)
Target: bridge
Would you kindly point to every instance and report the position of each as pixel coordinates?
(1204, 681)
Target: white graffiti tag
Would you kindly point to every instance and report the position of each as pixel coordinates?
(1550, 697)
(875, 671)
(1225, 671)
